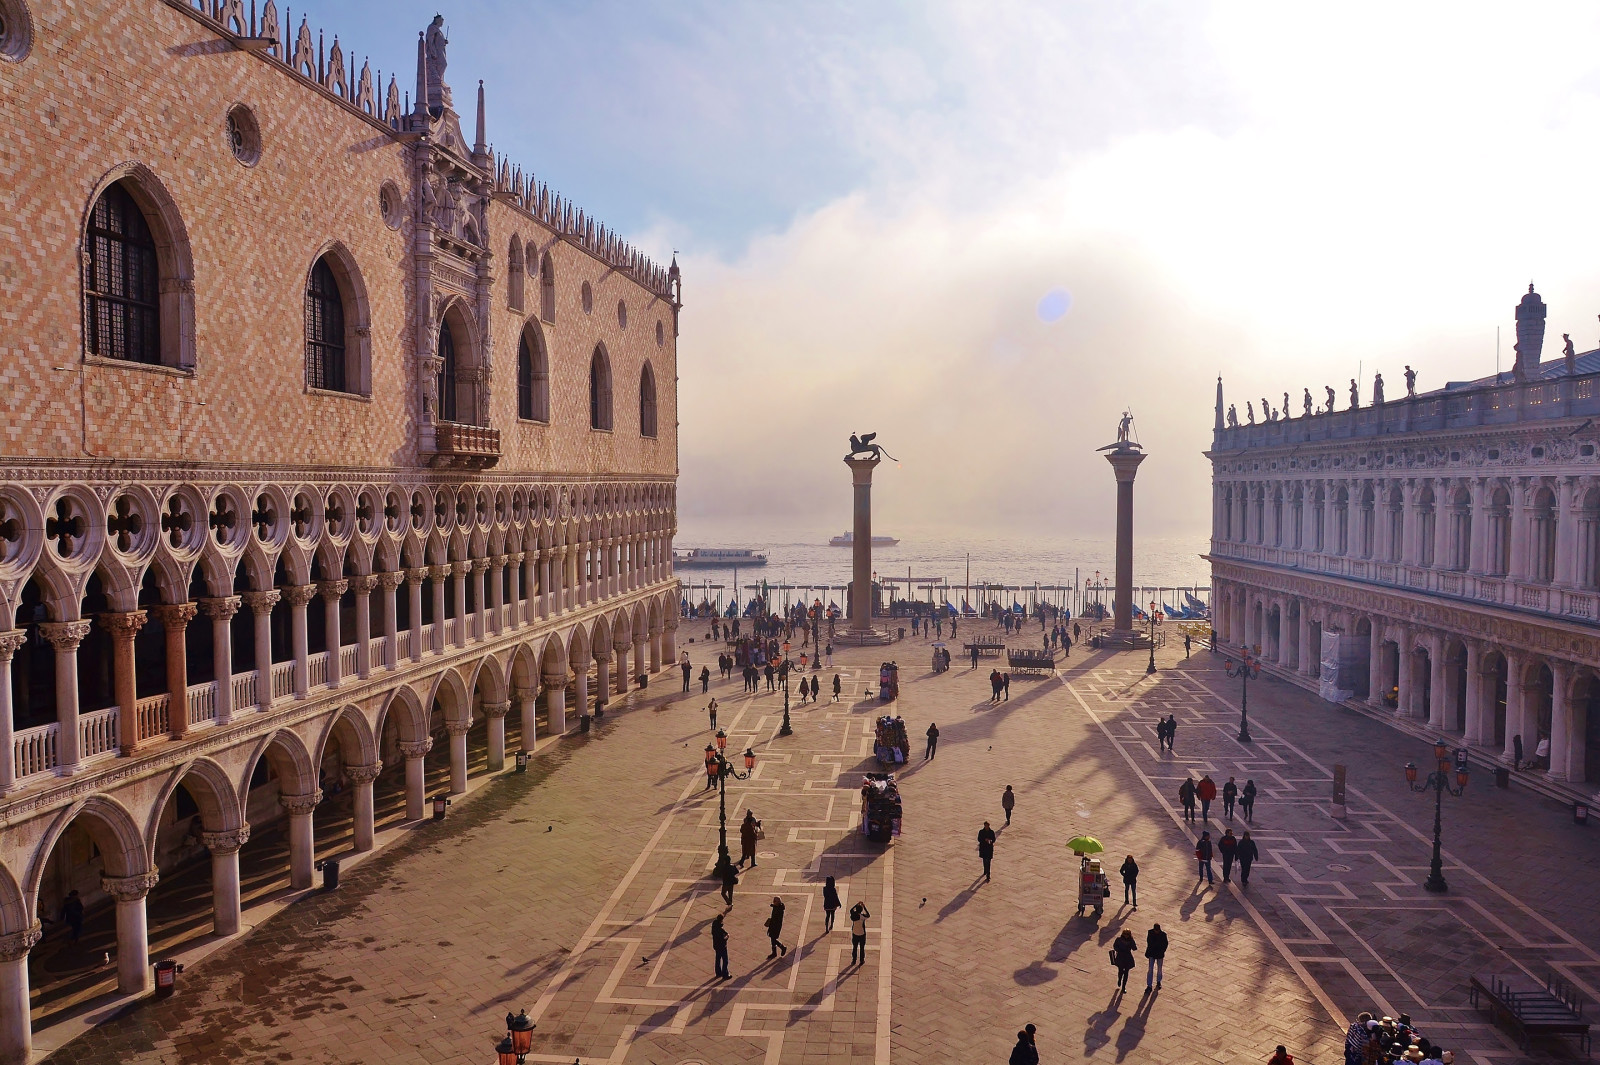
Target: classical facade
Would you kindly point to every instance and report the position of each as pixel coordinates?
(335, 444)
(1436, 555)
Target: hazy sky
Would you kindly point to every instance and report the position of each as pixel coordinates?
(982, 229)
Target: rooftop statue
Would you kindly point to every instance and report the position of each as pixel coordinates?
(435, 44)
(1411, 382)
(863, 445)
(1308, 403)
(1330, 398)
(1377, 390)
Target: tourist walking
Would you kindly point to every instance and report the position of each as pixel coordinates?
(1130, 881)
(858, 933)
(1203, 852)
(829, 651)
(1206, 792)
(933, 741)
(1024, 1052)
(730, 880)
(1281, 1056)
(1005, 685)
(994, 685)
(1155, 952)
(830, 904)
(719, 946)
(1356, 1039)
(712, 767)
(986, 839)
(705, 679)
(749, 832)
(1247, 801)
(712, 710)
(1230, 795)
(1008, 802)
(975, 657)
(1247, 855)
(816, 686)
(837, 687)
(1186, 796)
(1122, 956)
(1172, 729)
(1228, 845)
(775, 928)
(1186, 645)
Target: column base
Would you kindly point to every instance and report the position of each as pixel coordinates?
(864, 637)
(1125, 640)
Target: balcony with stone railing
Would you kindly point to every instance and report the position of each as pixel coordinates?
(464, 447)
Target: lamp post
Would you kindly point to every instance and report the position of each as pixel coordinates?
(724, 771)
(1246, 668)
(1439, 782)
(518, 1043)
(1151, 668)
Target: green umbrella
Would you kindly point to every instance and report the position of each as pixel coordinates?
(1085, 845)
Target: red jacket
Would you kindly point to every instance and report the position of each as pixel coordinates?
(1207, 789)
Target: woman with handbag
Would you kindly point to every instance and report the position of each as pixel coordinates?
(1122, 952)
(749, 833)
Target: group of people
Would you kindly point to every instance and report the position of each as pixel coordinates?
(999, 685)
(1241, 849)
(1205, 792)
(773, 925)
(1126, 946)
(1390, 1041)
(931, 627)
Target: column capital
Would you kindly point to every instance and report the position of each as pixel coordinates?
(461, 566)
(622, 641)
(301, 804)
(221, 608)
(389, 581)
(604, 654)
(439, 573)
(497, 709)
(362, 583)
(130, 888)
(479, 565)
(175, 615)
(556, 680)
(416, 748)
(531, 692)
(262, 602)
(122, 624)
(11, 640)
(298, 595)
(514, 558)
(226, 841)
(459, 728)
(332, 589)
(363, 774)
(418, 574)
(15, 946)
(64, 635)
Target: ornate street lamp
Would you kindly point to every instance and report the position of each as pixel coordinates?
(1439, 782)
(1151, 668)
(724, 771)
(518, 1043)
(1247, 668)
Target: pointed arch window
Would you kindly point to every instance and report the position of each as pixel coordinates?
(547, 289)
(533, 377)
(647, 402)
(447, 373)
(325, 334)
(514, 274)
(122, 282)
(600, 390)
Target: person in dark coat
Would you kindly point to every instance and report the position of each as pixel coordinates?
(730, 880)
(1122, 956)
(1172, 729)
(1203, 852)
(71, 914)
(719, 946)
(1005, 685)
(1155, 950)
(858, 933)
(933, 737)
(1023, 1053)
(1230, 795)
(1008, 802)
(1186, 796)
(816, 686)
(688, 670)
(837, 687)
(1229, 847)
(1130, 881)
(747, 839)
(830, 904)
(986, 839)
(775, 928)
(1247, 800)
(1206, 791)
(705, 679)
(1248, 853)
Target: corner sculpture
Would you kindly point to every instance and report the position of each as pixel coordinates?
(863, 445)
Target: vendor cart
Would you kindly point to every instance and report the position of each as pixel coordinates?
(888, 682)
(880, 807)
(890, 742)
(1093, 886)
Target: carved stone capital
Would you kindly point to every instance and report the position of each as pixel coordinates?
(298, 595)
(332, 589)
(261, 603)
(416, 748)
(556, 680)
(130, 888)
(622, 641)
(479, 565)
(459, 728)
(499, 560)
(525, 694)
(461, 567)
(496, 709)
(418, 574)
(301, 804)
(15, 946)
(227, 841)
(10, 640)
(64, 635)
(175, 615)
(439, 573)
(514, 558)
(388, 581)
(363, 583)
(221, 608)
(363, 774)
(603, 654)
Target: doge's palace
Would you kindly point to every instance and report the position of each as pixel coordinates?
(336, 447)
(1434, 554)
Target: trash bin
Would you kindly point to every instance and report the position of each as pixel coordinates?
(522, 761)
(1502, 777)
(643, 680)
(439, 804)
(330, 873)
(166, 978)
(583, 723)
(1580, 813)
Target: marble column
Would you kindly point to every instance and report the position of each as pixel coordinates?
(175, 618)
(10, 641)
(226, 911)
(16, 1027)
(602, 669)
(620, 647)
(363, 584)
(302, 842)
(861, 469)
(65, 636)
(497, 594)
(1515, 700)
(459, 588)
(440, 575)
(1405, 667)
(298, 596)
(669, 641)
(655, 650)
(1375, 665)
(363, 824)
(1520, 497)
(480, 571)
(1476, 711)
(332, 592)
(414, 578)
(555, 693)
(639, 652)
(528, 707)
(133, 933)
(533, 589)
(123, 627)
(495, 713)
(1306, 666)
(1563, 737)
(387, 584)
(220, 611)
(1438, 697)
(416, 777)
(458, 754)
(260, 604)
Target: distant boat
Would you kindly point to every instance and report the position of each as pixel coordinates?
(720, 557)
(849, 538)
